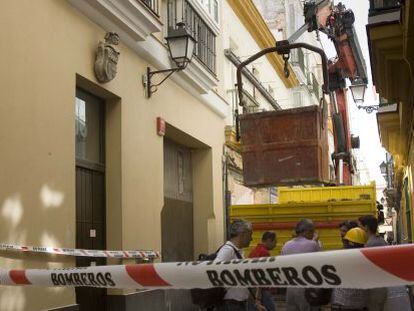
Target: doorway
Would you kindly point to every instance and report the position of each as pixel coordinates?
(90, 191)
(177, 233)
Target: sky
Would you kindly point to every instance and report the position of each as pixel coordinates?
(363, 124)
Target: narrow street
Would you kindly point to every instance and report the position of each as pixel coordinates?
(182, 155)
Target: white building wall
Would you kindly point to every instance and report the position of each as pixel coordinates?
(237, 38)
(283, 19)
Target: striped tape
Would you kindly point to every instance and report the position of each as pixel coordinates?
(141, 254)
(356, 268)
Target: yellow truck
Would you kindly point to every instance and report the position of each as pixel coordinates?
(326, 206)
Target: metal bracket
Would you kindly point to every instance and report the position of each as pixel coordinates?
(151, 88)
(369, 109)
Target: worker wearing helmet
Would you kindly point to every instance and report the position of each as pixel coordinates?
(345, 226)
(349, 298)
(355, 238)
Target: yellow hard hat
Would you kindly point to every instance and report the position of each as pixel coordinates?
(356, 235)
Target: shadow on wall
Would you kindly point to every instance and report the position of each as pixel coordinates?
(38, 219)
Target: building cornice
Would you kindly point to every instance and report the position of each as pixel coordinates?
(131, 16)
(256, 26)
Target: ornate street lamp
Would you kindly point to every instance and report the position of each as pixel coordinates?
(383, 168)
(181, 46)
(358, 94)
(358, 91)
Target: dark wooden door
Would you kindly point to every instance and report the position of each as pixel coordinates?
(177, 213)
(90, 192)
(177, 216)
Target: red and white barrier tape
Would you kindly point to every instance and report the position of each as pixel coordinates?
(356, 268)
(81, 252)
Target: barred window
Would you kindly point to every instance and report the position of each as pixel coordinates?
(205, 50)
(211, 6)
(152, 5)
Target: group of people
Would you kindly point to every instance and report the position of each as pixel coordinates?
(354, 234)
(359, 234)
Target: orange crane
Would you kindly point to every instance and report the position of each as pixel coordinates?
(349, 64)
(337, 23)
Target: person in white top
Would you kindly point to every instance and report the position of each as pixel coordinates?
(240, 237)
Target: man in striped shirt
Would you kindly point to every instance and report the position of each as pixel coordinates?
(236, 299)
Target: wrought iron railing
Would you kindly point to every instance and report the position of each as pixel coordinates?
(382, 6)
(152, 5)
(205, 49)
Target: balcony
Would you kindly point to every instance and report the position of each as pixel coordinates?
(392, 135)
(377, 7)
(385, 37)
(384, 11)
(133, 20)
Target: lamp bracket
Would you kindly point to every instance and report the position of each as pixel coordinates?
(150, 87)
(369, 109)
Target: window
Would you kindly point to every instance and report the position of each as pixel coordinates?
(313, 85)
(207, 4)
(271, 90)
(297, 100)
(152, 5)
(211, 7)
(215, 10)
(292, 21)
(89, 126)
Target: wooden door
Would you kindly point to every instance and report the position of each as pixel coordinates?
(90, 192)
(177, 216)
(177, 213)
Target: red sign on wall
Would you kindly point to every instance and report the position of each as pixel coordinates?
(160, 126)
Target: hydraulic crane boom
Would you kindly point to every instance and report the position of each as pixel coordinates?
(338, 24)
(349, 64)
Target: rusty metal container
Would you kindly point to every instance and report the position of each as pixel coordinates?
(286, 147)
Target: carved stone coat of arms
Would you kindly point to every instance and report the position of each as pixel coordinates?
(107, 58)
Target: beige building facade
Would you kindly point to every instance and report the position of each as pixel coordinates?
(83, 164)
(390, 33)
